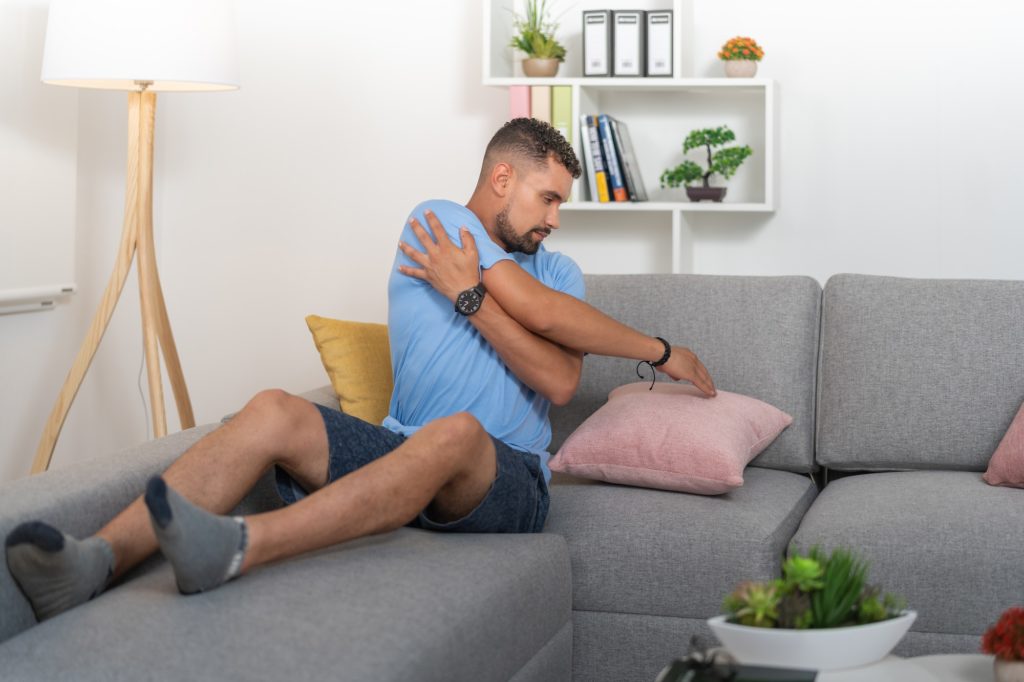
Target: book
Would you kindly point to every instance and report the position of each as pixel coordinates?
(627, 159)
(618, 187)
(593, 158)
(518, 101)
(561, 110)
(540, 102)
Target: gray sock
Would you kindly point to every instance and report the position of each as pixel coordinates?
(205, 550)
(55, 571)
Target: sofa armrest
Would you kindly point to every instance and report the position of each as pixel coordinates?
(79, 499)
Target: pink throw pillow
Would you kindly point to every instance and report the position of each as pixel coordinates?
(1007, 464)
(671, 438)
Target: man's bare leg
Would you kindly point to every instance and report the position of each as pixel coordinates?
(218, 471)
(58, 572)
(449, 465)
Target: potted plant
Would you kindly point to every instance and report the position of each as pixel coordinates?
(1005, 640)
(822, 614)
(725, 162)
(741, 56)
(535, 36)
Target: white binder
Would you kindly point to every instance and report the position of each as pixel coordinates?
(659, 43)
(628, 43)
(597, 43)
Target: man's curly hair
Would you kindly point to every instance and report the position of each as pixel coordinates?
(532, 140)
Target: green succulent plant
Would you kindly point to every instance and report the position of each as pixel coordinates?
(754, 604)
(535, 33)
(802, 573)
(724, 162)
(815, 591)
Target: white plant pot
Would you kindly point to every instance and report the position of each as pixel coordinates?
(1009, 671)
(819, 649)
(740, 68)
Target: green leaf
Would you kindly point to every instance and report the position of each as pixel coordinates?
(685, 173)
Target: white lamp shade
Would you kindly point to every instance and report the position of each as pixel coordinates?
(112, 44)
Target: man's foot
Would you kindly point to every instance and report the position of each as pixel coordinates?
(204, 549)
(55, 571)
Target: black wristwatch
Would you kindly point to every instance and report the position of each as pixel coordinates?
(470, 300)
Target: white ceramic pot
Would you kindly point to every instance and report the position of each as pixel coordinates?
(1009, 671)
(740, 68)
(820, 649)
(540, 68)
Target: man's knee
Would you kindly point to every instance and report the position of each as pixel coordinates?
(465, 440)
(274, 405)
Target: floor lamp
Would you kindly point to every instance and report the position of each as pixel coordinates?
(143, 47)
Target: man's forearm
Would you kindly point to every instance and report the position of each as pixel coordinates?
(565, 319)
(541, 364)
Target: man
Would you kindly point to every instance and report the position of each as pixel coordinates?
(476, 364)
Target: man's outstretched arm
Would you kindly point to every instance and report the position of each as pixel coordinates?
(571, 322)
(545, 366)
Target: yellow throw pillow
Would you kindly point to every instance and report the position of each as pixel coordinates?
(357, 357)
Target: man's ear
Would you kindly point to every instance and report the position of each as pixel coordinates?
(501, 178)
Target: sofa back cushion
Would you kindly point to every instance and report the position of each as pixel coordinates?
(918, 373)
(757, 336)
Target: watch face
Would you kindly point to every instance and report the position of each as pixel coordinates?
(468, 302)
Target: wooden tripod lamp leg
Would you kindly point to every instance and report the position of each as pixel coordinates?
(147, 266)
(100, 321)
(156, 324)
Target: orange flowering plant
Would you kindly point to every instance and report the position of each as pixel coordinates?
(741, 48)
(1005, 639)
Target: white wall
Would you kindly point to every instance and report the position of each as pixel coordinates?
(899, 148)
(900, 138)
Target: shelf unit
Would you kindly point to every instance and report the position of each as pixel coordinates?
(659, 112)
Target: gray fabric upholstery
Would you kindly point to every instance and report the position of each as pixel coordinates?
(628, 647)
(672, 554)
(756, 335)
(917, 373)
(553, 662)
(407, 605)
(949, 543)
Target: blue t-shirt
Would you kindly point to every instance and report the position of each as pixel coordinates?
(443, 365)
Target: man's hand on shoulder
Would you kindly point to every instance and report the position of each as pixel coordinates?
(683, 364)
(445, 266)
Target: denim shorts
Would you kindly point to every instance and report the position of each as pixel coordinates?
(516, 503)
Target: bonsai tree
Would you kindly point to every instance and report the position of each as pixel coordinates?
(535, 33)
(725, 161)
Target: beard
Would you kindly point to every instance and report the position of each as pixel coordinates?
(517, 243)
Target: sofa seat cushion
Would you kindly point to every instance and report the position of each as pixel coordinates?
(952, 545)
(664, 553)
(407, 605)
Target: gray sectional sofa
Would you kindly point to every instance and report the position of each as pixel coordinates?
(900, 391)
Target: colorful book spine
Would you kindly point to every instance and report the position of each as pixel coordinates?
(519, 101)
(627, 158)
(614, 169)
(600, 189)
(540, 102)
(561, 110)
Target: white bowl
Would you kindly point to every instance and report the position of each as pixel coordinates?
(818, 649)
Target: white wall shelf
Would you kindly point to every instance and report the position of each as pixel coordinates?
(659, 112)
